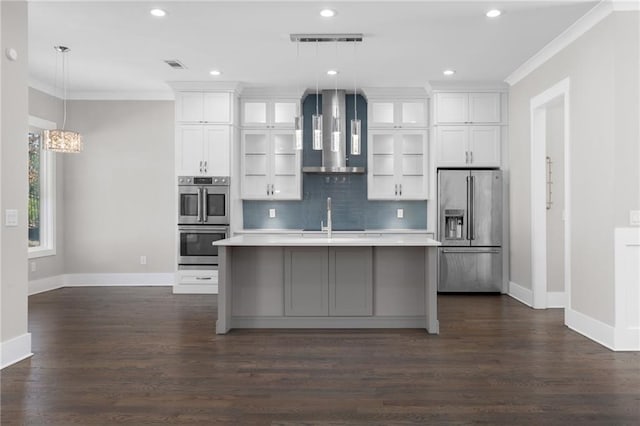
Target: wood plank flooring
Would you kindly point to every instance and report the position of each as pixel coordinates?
(141, 355)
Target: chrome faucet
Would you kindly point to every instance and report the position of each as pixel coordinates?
(329, 224)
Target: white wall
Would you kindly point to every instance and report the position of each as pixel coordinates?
(15, 340)
(603, 127)
(49, 108)
(119, 193)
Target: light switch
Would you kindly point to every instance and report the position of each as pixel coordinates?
(11, 217)
(634, 217)
(400, 213)
(272, 213)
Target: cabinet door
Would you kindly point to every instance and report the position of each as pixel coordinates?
(452, 146)
(350, 281)
(255, 165)
(283, 113)
(189, 150)
(381, 182)
(285, 167)
(254, 113)
(216, 107)
(484, 107)
(452, 107)
(216, 150)
(189, 107)
(484, 146)
(382, 114)
(412, 114)
(413, 170)
(306, 281)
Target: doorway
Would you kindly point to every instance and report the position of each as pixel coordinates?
(550, 198)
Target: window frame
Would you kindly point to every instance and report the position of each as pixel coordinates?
(47, 196)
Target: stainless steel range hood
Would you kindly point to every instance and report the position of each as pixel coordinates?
(333, 162)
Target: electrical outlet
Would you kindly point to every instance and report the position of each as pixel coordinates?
(400, 213)
(143, 260)
(33, 266)
(272, 213)
(634, 217)
(11, 217)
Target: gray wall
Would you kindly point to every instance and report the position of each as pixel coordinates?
(604, 142)
(48, 107)
(119, 192)
(555, 224)
(13, 169)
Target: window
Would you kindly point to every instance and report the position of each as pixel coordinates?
(41, 204)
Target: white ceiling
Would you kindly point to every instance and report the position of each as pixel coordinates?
(118, 48)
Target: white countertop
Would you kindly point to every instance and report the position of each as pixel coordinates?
(313, 239)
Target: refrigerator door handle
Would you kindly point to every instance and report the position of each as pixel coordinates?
(468, 208)
(472, 209)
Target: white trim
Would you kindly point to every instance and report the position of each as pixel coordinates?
(626, 5)
(204, 86)
(126, 279)
(591, 328)
(538, 106)
(15, 350)
(329, 322)
(568, 36)
(161, 95)
(556, 299)
(521, 294)
(627, 291)
(45, 88)
(195, 289)
(41, 123)
(46, 284)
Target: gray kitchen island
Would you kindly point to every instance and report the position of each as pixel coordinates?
(313, 281)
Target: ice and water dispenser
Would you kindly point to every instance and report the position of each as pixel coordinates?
(453, 222)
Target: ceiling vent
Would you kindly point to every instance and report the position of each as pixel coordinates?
(316, 38)
(175, 64)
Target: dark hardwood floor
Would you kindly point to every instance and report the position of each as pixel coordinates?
(144, 356)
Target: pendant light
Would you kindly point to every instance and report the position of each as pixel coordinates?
(298, 120)
(61, 140)
(316, 119)
(356, 125)
(335, 120)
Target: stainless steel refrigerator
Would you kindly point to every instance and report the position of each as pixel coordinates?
(470, 229)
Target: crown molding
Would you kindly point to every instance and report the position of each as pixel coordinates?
(278, 92)
(167, 95)
(395, 92)
(571, 34)
(467, 86)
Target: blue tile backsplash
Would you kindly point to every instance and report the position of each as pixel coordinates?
(348, 192)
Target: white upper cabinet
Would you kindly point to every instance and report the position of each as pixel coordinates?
(468, 146)
(397, 114)
(202, 150)
(468, 108)
(269, 113)
(203, 107)
(398, 165)
(271, 166)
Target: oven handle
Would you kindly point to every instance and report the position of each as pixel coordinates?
(205, 204)
(199, 204)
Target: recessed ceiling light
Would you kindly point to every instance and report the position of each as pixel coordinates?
(449, 72)
(327, 13)
(493, 13)
(332, 72)
(215, 72)
(158, 13)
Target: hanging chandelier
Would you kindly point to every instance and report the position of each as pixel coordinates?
(62, 140)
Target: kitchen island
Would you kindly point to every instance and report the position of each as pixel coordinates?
(303, 280)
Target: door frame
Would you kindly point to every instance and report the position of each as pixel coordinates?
(538, 107)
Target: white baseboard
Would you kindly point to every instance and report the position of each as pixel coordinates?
(521, 294)
(591, 328)
(555, 299)
(195, 289)
(46, 284)
(102, 280)
(15, 350)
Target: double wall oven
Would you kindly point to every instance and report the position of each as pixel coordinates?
(203, 218)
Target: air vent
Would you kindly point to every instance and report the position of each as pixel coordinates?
(175, 64)
(315, 38)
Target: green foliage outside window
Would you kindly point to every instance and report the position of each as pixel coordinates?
(34, 190)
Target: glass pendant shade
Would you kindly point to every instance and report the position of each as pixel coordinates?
(298, 131)
(355, 137)
(317, 131)
(62, 141)
(335, 134)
